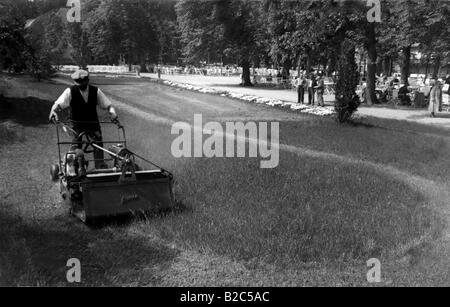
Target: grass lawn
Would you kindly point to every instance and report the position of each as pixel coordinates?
(358, 198)
(319, 211)
(341, 195)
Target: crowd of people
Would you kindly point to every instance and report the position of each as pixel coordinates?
(312, 84)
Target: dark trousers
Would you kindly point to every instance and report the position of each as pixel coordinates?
(301, 94)
(94, 135)
(311, 95)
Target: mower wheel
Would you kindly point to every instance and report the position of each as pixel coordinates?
(54, 172)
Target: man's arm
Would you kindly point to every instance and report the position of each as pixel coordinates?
(106, 104)
(62, 103)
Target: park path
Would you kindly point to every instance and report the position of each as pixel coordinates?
(231, 84)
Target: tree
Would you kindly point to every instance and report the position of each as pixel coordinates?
(201, 34)
(347, 101)
(404, 27)
(119, 27)
(13, 48)
(219, 28)
(241, 21)
(16, 52)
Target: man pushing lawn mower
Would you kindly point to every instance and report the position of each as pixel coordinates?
(102, 192)
(83, 100)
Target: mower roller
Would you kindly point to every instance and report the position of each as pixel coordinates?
(120, 187)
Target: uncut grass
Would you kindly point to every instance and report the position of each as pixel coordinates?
(317, 211)
(7, 134)
(414, 148)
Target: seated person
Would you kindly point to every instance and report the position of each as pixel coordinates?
(403, 95)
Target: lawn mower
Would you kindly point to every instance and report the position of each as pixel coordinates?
(120, 187)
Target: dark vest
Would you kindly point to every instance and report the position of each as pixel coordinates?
(82, 111)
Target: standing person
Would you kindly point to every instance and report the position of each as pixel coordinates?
(301, 84)
(83, 100)
(320, 91)
(311, 84)
(435, 98)
(159, 72)
(447, 81)
(279, 76)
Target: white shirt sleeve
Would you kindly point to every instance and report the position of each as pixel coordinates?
(64, 100)
(102, 100)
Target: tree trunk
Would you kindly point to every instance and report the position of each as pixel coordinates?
(287, 65)
(387, 66)
(299, 65)
(406, 64)
(360, 64)
(372, 65)
(246, 80)
(308, 60)
(426, 68)
(436, 67)
(391, 67)
(130, 64)
(347, 101)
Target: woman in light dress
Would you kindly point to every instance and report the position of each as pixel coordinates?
(435, 98)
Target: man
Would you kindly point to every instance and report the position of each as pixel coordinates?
(320, 91)
(311, 81)
(83, 101)
(447, 82)
(301, 82)
(403, 95)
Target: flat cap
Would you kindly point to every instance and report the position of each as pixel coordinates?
(80, 74)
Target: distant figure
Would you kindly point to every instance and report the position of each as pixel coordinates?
(403, 95)
(447, 81)
(279, 77)
(394, 82)
(320, 88)
(301, 84)
(159, 73)
(435, 98)
(255, 78)
(311, 83)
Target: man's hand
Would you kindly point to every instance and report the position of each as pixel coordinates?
(53, 113)
(112, 113)
(53, 116)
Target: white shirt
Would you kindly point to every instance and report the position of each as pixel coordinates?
(64, 100)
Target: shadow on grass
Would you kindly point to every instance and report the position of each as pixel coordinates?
(36, 254)
(25, 111)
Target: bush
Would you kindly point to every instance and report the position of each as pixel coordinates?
(40, 66)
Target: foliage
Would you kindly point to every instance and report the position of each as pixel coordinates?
(202, 36)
